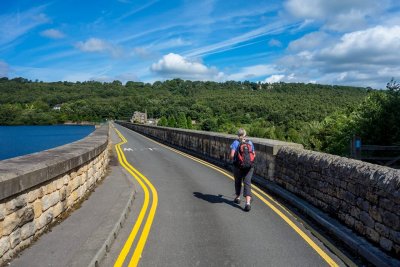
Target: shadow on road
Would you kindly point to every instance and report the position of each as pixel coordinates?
(215, 199)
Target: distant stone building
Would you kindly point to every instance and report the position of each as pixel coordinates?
(139, 117)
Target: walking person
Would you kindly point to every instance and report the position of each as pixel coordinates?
(243, 155)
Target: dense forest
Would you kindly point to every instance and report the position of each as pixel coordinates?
(321, 117)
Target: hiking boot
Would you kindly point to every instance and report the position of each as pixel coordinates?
(236, 200)
(247, 207)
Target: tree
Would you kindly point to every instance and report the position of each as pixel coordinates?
(189, 122)
(182, 122)
(171, 121)
(163, 121)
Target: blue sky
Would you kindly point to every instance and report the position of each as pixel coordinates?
(344, 42)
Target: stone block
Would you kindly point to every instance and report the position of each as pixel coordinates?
(59, 183)
(349, 220)
(63, 193)
(360, 228)
(4, 245)
(355, 212)
(386, 244)
(382, 229)
(395, 236)
(391, 220)
(27, 230)
(46, 202)
(66, 179)
(58, 209)
(15, 204)
(375, 213)
(372, 234)
(45, 219)
(2, 211)
(362, 204)
(37, 208)
(366, 219)
(26, 215)
(34, 194)
(15, 237)
(10, 223)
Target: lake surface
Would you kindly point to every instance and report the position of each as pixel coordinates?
(21, 140)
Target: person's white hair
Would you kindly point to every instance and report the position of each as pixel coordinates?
(241, 134)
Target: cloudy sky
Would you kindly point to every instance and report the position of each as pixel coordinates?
(345, 42)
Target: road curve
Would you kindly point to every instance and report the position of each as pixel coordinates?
(196, 222)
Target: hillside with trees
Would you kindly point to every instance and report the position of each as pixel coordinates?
(321, 117)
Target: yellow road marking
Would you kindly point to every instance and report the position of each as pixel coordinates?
(306, 238)
(147, 226)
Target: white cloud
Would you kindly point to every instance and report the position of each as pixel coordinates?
(378, 46)
(53, 33)
(310, 41)
(250, 72)
(275, 43)
(176, 66)
(274, 78)
(4, 69)
(93, 45)
(337, 15)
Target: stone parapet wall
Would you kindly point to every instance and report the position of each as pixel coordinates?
(214, 146)
(37, 189)
(363, 196)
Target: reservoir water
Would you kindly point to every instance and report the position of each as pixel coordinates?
(21, 140)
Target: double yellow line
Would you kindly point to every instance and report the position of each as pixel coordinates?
(261, 194)
(145, 184)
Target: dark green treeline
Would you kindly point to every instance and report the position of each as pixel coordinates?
(303, 113)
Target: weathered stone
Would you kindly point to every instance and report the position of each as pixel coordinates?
(372, 234)
(10, 223)
(58, 208)
(4, 244)
(382, 229)
(27, 230)
(66, 179)
(2, 211)
(355, 212)
(362, 204)
(395, 236)
(375, 213)
(372, 198)
(15, 204)
(386, 244)
(63, 193)
(391, 220)
(359, 226)
(37, 208)
(44, 219)
(59, 183)
(349, 220)
(386, 204)
(366, 219)
(27, 216)
(33, 195)
(50, 200)
(15, 237)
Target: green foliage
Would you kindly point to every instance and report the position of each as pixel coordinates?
(163, 121)
(171, 121)
(316, 116)
(181, 122)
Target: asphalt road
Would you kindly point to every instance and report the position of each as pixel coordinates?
(196, 222)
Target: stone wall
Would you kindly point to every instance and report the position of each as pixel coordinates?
(363, 196)
(214, 146)
(37, 189)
